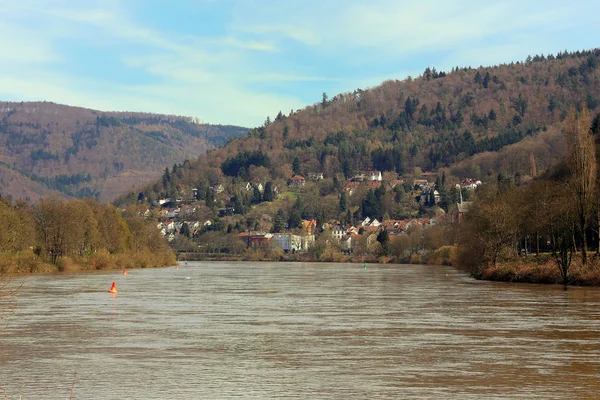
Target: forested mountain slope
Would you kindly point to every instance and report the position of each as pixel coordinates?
(471, 122)
(49, 148)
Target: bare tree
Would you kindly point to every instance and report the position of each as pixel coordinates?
(581, 159)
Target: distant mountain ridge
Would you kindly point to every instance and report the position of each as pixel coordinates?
(470, 122)
(53, 149)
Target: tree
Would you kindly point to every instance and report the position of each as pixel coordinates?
(343, 202)
(256, 195)
(296, 166)
(383, 237)
(268, 192)
(489, 230)
(278, 222)
(185, 230)
(520, 104)
(325, 101)
(581, 160)
(209, 197)
(294, 220)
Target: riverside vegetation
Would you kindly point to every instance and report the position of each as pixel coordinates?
(56, 235)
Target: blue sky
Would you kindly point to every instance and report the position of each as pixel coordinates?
(239, 61)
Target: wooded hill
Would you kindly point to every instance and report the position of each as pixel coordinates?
(468, 122)
(52, 149)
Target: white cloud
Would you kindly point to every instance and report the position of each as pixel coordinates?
(218, 76)
(300, 34)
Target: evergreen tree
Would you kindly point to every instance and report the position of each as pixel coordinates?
(296, 166)
(486, 80)
(370, 205)
(256, 195)
(383, 237)
(343, 204)
(210, 197)
(278, 222)
(268, 192)
(185, 230)
(295, 220)
(325, 101)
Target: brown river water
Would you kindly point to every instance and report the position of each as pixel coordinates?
(298, 330)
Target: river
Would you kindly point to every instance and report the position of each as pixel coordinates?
(219, 330)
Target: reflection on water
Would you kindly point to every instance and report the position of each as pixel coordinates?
(281, 330)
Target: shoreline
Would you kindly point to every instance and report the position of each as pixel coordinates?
(541, 270)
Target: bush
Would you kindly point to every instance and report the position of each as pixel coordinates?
(415, 259)
(445, 255)
(101, 260)
(66, 264)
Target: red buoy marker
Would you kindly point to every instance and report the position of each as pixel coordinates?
(124, 272)
(113, 288)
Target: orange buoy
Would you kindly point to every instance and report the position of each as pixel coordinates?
(124, 272)
(113, 288)
(176, 266)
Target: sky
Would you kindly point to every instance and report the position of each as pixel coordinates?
(239, 61)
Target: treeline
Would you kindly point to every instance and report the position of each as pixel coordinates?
(79, 234)
(558, 214)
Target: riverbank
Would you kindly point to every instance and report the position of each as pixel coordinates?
(542, 269)
(443, 256)
(26, 262)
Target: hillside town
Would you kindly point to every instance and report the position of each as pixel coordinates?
(180, 219)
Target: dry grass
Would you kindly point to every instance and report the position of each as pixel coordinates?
(543, 269)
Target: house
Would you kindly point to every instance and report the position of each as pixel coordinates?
(421, 184)
(289, 242)
(247, 187)
(469, 184)
(374, 175)
(373, 184)
(259, 186)
(164, 201)
(308, 241)
(174, 213)
(218, 188)
(346, 243)
(371, 238)
(260, 241)
(338, 231)
(396, 182)
(297, 181)
(350, 187)
(309, 226)
(315, 176)
(394, 227)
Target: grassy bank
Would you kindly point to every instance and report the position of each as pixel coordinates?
(542, 269)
